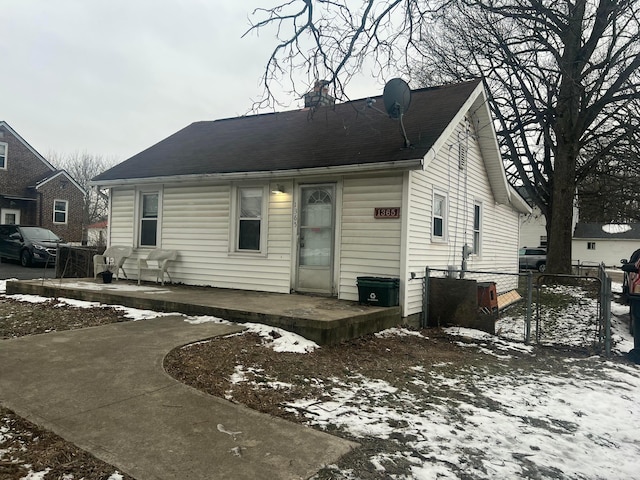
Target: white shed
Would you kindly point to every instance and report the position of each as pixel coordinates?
(595, 243)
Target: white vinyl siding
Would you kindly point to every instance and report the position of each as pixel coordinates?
(121, 217)
(368, 246)
(465, 188)
(195, 221)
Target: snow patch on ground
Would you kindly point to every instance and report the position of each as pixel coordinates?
(400, 332)
(497, 426)
(273, 337)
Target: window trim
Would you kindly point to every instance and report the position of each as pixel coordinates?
(66, 211)
(476, 249)
(138, 216)
(3, 166)
(234, 236)
(444, 217)
(591, 245)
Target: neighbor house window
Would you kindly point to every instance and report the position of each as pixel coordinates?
(60, 209)
(477, 225)
(591, 245)
(439, 216)
(249, 227)
(149, 219)
(3, 156)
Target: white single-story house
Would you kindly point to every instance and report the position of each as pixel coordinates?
(595, 243)
(308, 200)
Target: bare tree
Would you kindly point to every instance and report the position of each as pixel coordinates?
(83, 167)
(563, 76)
(610, 193)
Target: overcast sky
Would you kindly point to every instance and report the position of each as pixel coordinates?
(113, 77)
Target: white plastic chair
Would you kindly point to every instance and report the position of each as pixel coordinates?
(161, 258)
(112, 259)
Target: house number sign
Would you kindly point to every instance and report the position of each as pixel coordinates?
(386, 212)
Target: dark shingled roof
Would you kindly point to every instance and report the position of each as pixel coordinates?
(594, 230)
(347, 134)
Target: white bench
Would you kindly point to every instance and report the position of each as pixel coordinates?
(161, 259)
(112, 259)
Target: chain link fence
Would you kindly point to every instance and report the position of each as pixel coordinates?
(571, 310)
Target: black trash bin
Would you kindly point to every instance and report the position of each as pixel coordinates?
(634, 314)
(379, 291)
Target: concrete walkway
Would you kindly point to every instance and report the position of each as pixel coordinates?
(105, 389)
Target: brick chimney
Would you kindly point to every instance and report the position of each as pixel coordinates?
(319, 96)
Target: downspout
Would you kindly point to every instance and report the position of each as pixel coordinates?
(39, 212)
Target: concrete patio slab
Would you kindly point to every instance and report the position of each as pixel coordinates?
(324, 320)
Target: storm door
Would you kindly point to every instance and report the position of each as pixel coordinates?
(316, 233)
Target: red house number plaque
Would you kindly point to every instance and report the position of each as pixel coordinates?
(386, 212)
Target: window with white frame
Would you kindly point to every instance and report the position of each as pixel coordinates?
(439, 228)
(60, 211)
(249, 219)
(3, 156)
(477, 226)
(148, 236)
(591, 245)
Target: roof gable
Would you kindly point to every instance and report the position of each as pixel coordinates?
(26, 144)
(57, 174)
(477, 109)
(345, 134)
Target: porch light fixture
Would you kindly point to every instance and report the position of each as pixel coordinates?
(278, 189)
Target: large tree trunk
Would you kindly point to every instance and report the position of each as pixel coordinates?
(560, 230)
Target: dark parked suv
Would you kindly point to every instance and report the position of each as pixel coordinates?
(28, 244)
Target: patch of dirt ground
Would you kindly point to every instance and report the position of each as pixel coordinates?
(18, 319)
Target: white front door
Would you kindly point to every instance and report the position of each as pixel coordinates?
(316, 233)
(10, 216)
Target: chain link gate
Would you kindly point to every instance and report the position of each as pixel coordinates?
(534, 311)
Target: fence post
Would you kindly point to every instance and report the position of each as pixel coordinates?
(425, 299)
(607, 316)
(527, 326)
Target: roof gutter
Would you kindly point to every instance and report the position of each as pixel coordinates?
(413, 164)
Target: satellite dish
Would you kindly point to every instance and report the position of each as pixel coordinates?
(396, 97)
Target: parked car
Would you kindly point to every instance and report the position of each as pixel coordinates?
(532, 259)
(29, 245)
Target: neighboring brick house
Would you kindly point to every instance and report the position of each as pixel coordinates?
(33, 192)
